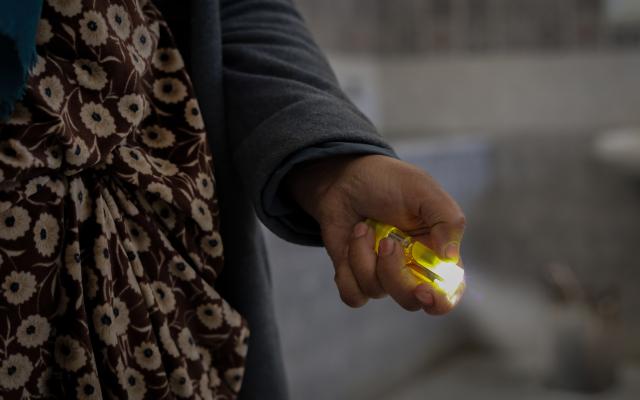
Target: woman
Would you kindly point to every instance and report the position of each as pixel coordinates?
(111, 278)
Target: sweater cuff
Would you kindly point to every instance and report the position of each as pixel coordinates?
(282, 215)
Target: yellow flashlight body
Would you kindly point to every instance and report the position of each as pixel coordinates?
(444, 276)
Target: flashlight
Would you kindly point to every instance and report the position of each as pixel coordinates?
(444, 276)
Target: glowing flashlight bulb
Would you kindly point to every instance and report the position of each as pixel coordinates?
(444, 276)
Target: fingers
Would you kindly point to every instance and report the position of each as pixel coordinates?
(395, 277)
(348, 288)
(434, 302)
(346, 282)
(362, 260)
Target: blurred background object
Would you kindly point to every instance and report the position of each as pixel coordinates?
(525, 110)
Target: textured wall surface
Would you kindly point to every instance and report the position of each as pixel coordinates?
(437, 26)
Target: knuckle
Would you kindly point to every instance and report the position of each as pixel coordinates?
(460, 220)
(374, 292)
(410, 306)
(352, 300)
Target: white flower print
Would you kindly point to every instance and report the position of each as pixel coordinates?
(54, 157)
(166, 214)
(180, 383)
(15, 154)
(15, 371)
(51, 90)
(134, 259)
(154, 27)
(93, 28)
(205, 185)
(35, 185)
(89, 387)
(210, 315)
(133, 281)
(139, 236)
(46, 232)
(163, 191)
(38, 67)
(121, 315)
(147, 356)
(205, 390)
(72, 261)
(119, 20)
(210, 291)
(233, 377)
(133, 382)
(131, 107)
(18, 287)
(44, 33)
(169, 90)
(192, 114)
(212, 244)
(137, 61)
(201, 214)
(81, 199)
(187, 344)
(164, 296)
(214, 378)
(90, 74)
(135, 159)
(242, 345)
(20, 116)
(167, 60)
(69, 354)
(103, 323)
(167, 341)
(165, 167)
(232, 317)
(14, 223)
(142, 41)
(102, 255)
(33, 331)
(98, 119)
(78, 153)
(157, 137)
(147, 294)
(68, 8)
(104, 216)
(179, 268)
(205, 359)
(126, 204)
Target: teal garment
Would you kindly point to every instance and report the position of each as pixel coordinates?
(18, 27)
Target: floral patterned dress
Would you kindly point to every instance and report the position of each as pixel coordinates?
(109, 242)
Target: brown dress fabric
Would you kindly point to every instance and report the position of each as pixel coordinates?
(109, 243)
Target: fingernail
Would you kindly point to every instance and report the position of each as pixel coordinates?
(452, 251)
(425, 297)
(386, 246)
(360, 229)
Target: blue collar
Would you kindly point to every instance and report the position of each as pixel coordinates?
(18, 26)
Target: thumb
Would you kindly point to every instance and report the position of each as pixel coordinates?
(446, 223)
(446, 238)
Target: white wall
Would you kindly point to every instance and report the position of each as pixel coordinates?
(576, 91)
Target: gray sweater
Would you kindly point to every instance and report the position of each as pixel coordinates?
(270, 101)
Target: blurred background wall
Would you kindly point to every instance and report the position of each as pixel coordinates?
(525, 111)
(484, 65)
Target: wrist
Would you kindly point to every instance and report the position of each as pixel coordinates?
(311, 184)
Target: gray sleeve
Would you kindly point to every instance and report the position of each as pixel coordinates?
(281, 97)
(285, 217)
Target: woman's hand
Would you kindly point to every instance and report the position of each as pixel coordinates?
(340, 192)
